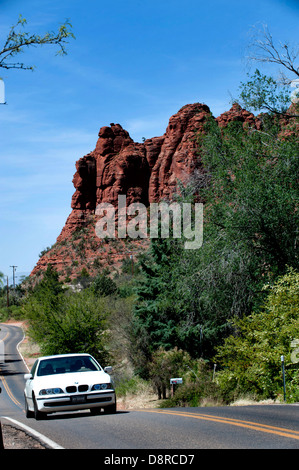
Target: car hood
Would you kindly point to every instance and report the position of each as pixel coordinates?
(72, 378)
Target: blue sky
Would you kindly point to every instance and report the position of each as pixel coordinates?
(133, 62)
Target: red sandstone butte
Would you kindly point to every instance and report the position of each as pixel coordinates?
(145, 172)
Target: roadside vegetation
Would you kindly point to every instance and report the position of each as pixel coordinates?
(219, 317)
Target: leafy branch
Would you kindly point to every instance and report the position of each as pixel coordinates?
(17, 41)
(262, 92)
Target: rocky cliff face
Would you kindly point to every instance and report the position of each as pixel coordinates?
(145, 172)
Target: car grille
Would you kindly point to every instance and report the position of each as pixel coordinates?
(74, 389)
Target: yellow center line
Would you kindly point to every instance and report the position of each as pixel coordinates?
(5, 337)
(235, 422)
(5, 384)
(9, 393)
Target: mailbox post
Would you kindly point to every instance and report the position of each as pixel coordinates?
(283, 377)
(174, 382)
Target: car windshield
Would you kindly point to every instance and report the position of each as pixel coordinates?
(64, 365)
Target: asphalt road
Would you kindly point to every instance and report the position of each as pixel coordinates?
(180, 429)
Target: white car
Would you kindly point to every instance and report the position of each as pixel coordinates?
(68, 382)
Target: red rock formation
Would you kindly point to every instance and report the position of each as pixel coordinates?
(236, 113)
(121, 167)
(178, 157)
(85, 183)
(144, 172)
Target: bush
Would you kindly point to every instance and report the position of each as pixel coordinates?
(11, 312)
(251, 360)
(62, 322)
(197, 389)
(197, 385)
(164, 365)
(103, 286)
(130, 386)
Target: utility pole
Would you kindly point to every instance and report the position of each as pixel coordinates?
(13, 275)
(7, 293)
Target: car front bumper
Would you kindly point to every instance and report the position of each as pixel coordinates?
(74, 402)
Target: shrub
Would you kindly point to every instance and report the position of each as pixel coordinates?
(164, 365)
(251, 360)
(197, 388)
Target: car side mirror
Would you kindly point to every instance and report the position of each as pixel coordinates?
(28, 376)
(108, 369)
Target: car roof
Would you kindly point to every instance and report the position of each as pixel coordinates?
(55, 356)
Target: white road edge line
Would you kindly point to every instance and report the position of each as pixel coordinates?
(18, 345)
(34, 433)
(31, 431)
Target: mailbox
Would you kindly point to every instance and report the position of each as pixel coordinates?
(176, 381)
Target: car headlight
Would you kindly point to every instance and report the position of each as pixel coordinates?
(50, 391)
(101, 386)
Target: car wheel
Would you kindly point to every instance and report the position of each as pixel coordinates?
(28, 413)
(37, 414)
(95, 411)
(110, 409)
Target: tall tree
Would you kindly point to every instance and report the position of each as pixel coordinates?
(155, 318)
(65, 322)
(188, 298)
(251, 360)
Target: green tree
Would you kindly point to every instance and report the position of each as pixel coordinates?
(264, 93)
(18, 40)
(164, 365)
(158, 320)
(84, 326)
(251, 224)
(1, 279)
(103, 285)
(253, 194)
(42, 306)
(187, 298)
(248, 182)
(62, 321)
(250, 360)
